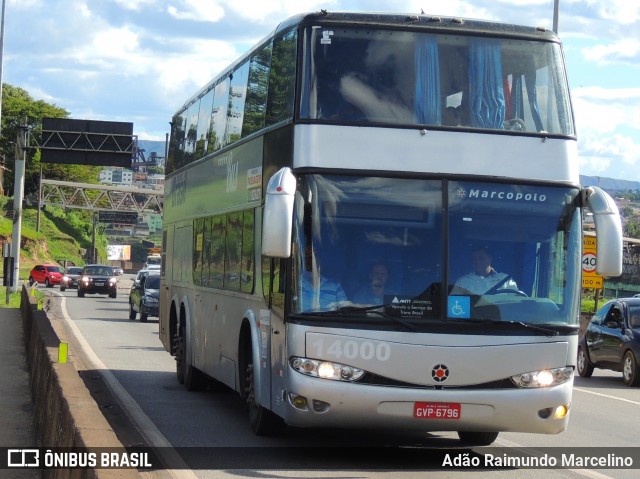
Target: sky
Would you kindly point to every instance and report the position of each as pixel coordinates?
(139, 60)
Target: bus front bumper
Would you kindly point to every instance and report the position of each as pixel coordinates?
(313, 402)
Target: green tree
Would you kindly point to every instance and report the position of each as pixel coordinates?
(632, 227)
(20, 109)
(156, 170)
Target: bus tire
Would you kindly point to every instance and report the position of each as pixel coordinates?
(476, 438)
(192, 378)
(178, 342)
(262, 421)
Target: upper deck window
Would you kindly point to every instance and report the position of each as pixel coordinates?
(409, 78)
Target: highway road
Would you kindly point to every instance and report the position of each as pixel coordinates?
(129, 355)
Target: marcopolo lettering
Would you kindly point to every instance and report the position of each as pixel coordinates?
(508, 196)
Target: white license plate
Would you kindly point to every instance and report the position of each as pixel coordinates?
(99, 284)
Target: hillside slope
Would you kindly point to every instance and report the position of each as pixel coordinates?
(59, 239)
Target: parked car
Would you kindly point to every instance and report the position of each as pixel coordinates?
(70, 277)
(612, 341)
(97, 279)
(47, 274)
(144, 297)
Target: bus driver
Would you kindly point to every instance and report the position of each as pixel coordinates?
(483, 277)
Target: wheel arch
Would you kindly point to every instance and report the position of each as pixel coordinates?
(173, 326)
(249, 350)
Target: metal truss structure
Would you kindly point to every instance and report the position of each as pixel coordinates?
(81, 141)
(101, 197)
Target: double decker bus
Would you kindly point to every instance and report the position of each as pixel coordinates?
(345, 141)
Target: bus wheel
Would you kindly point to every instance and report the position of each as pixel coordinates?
(262, 421)
(477, 438)
(192, 378)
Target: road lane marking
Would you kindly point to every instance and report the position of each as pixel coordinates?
(140, 420)
(590, 473)
(608, 396)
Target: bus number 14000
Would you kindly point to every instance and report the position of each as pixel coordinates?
(351, 349)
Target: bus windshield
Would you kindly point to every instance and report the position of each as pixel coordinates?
(435, 80)
(375, 245)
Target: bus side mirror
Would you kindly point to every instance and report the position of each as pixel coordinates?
(608, 231)
(277, 217)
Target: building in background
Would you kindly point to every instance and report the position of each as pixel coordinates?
(116, 176)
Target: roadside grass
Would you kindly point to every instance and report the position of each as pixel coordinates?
(13, 299)
(49, 245)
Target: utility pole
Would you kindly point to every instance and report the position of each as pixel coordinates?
(93, 240)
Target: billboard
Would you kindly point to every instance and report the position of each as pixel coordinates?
(87, 142)
(119, 252)
(120, 217)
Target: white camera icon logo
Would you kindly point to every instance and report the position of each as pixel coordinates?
(23, 458)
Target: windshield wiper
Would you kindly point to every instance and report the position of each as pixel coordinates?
(547, 332)
(345, 310)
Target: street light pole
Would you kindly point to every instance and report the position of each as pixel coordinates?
(556, 8)
(1, 62)
(1, 56)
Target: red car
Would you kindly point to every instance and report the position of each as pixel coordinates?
(47, 274)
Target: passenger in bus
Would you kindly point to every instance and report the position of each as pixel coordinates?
(317, 292)
(484, 277)
(373, 293)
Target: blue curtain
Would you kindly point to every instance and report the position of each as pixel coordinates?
(530, 81)
(517, 102)
(517, 98)
(427, 104)
(486, 94)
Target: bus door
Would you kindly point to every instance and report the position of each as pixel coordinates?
(274, 335)
(165, 297)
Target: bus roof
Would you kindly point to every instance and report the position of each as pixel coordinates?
(420, 22)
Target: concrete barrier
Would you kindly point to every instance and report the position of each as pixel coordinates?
(65, 413)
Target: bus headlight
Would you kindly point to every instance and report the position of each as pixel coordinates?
(543, 378)
(326, 369)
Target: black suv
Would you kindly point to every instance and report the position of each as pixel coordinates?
(97, 279)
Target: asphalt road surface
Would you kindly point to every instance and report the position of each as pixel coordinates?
(133, 380)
